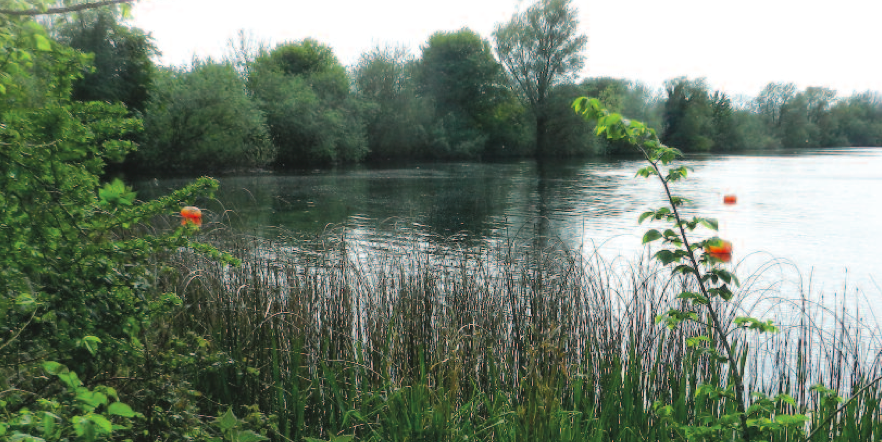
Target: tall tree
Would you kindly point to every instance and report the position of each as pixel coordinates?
(540, 48)
(304, 92)
(458, 72)
(396, 117)
(688, 115)
(122, 69)
(772, 99)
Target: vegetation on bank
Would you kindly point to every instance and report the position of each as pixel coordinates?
(116, 325)
(464, 97)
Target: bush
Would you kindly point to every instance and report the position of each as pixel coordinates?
(203, 120)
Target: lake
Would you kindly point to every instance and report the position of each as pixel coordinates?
(808, 220)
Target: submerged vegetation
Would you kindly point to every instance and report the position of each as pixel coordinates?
(115, 324)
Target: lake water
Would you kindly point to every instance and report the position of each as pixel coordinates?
(808, 217)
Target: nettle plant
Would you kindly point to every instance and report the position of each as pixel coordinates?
(739, 416)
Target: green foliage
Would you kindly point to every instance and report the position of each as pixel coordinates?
(736, 417)
(121, 69)
(304, 92)
(540, 48)
(78, 263)
(202, 120)
(470, 94)
(688, 115)
(396, 117)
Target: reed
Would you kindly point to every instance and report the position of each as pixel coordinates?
(519, 340)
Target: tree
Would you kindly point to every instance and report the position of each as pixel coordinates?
(304, 92)
(79, 307)
(121, 68)
(858, 120)
(772, 99)
(540, 48)
(458, 71)
(396, 117)
(243, 49)
(688, 115)
(43, 9)
(203, 120)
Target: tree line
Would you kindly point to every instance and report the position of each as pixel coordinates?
(464, 97)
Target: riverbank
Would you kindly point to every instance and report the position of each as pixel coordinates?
(521, 341)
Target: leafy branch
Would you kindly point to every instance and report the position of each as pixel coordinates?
(61, 10)
(712, 280)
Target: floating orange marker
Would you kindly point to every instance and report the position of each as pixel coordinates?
(720, 249)
(719, 246)
(725, 257)
(730, 199)
(191, 214)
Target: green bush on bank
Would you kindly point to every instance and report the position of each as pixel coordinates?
(203, 120)
(81, 357)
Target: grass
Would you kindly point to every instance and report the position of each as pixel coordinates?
(522, 340)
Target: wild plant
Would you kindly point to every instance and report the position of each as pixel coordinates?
(728, 411)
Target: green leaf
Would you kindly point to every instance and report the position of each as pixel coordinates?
(92, 398)
(710, 223)
(651, 235)
(791, 419)
(666, 256)
(684, 269)
(42, 43)
(70, 379)
(645, 172)
(49, 421)
(91, 343)
(53, 367)
(645, 215)
(120, 409)
(249, 436)
(697, 341)
(103, 424)
(695, 298)
(228, 421)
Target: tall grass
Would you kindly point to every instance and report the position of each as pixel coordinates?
(519, 340)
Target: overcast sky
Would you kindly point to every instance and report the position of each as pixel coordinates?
(738, 45)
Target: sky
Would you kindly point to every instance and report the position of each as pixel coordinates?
(739, 46)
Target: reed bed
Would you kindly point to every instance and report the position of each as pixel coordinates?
(516, 340)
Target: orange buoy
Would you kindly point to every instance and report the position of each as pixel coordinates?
(719, 246)
(724, 257)
(191, 214)
(730, 199)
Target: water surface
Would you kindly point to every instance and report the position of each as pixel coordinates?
(816, 216)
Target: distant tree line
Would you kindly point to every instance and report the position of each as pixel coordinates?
(295, 105)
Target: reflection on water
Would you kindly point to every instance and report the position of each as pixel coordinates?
(818, 210)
